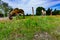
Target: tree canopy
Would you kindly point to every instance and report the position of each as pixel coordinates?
(5, 8)
(48, 11)
(38, 10)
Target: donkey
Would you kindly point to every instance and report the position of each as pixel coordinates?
(16, 11)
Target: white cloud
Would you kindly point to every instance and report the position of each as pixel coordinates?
(28, 4)
(50, 4)
(32, 3)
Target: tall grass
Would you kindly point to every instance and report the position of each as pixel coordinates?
(24, 29)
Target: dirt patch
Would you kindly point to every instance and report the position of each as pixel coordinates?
(5, 18)
(43, 36)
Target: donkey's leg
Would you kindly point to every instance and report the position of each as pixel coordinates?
(17, 16)
(23, 15)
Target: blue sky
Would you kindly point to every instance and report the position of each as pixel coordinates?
(28, 4)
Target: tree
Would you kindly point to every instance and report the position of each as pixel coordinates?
(27, 14)
(48, 12)
(38, 10)
(56, 12)
(1, 13)
(5, 7)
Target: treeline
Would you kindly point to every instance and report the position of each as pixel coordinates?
(49, 11)
(4, 9)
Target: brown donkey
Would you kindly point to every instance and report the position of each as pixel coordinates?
(16, 11)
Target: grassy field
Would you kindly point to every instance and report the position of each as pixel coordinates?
(25, 29)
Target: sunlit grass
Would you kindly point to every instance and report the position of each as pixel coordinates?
(24, 29)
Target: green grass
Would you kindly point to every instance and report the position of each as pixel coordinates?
(24, 29)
